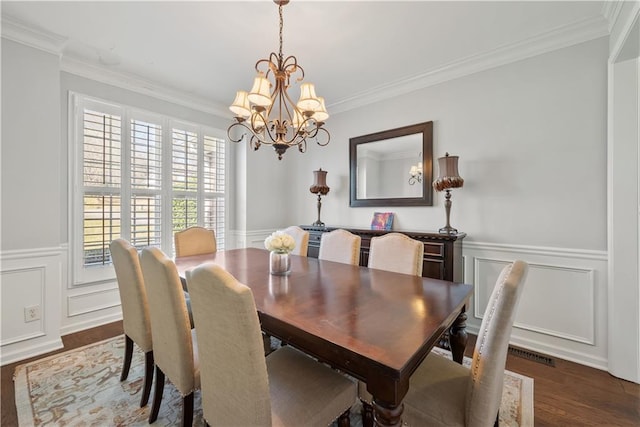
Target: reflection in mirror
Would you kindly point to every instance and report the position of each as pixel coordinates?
(392, 168)
(384, 168)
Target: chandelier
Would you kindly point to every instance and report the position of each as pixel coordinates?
(272, 118)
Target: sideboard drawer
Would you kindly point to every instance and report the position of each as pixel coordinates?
(434, 249)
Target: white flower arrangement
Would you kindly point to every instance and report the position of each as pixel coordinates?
(279, 241)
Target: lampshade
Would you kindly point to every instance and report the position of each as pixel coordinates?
(448, 174)
(319, 182)
(321, 114)
(308, 100)
(260, 94)
(240, 105)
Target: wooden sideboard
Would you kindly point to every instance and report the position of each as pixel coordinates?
(442, 252)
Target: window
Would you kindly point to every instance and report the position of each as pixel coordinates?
(142, 177)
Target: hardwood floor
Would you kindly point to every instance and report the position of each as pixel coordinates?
(565, 395)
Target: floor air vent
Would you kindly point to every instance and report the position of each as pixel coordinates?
(531, 355)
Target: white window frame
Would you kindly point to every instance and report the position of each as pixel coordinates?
(83, 275)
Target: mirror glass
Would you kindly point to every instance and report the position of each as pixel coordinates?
(392, 168)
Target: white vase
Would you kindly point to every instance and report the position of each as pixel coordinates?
(279, 263)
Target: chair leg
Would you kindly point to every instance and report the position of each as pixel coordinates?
(367, 414)
(344, 420)
(187, 410)
(148, 377)
(128, 352)
(157, 396)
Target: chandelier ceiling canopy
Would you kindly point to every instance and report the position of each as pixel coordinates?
(267, 115)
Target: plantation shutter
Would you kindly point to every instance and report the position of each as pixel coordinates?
(146, 184)
(102, 174)
(214, 187)
(184, 165)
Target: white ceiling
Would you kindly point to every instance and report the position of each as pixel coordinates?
(354, 51)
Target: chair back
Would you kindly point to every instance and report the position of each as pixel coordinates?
(301, 238)
(340, 246)
(170, 327)
(396, 252)
(490, 353)
(133, 295)
(195, 241)
(233, 370)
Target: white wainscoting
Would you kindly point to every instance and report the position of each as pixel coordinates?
(30, 278)
(563, 309)
(250, 238)
(89, 305)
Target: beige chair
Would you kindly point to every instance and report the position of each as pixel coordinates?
(401, 254)
(135, 310)
(239, 385)
(442, 392)
(340, 246)
(195, 241)
(396, 252)
(301, 238)
(174, 342)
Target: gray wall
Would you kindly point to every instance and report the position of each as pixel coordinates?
(531, 137)
(31, 157)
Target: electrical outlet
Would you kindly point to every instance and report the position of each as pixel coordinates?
(32, 313)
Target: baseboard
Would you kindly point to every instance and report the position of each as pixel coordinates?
(90, 323)
(23, 353)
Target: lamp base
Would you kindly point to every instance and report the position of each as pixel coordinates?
(448, 230)
(318, 224)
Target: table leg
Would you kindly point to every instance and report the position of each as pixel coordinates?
(387, 415)
(458, 336)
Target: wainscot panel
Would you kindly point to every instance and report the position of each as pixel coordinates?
(563, 307)
(30, 302)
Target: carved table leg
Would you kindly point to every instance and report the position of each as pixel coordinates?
(387, 415)
(367, 414)
(458, 337)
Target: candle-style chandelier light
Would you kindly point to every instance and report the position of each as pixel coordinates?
(272, 118)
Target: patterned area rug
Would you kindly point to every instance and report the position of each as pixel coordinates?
(82, 387)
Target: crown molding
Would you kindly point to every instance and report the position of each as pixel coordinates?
(611, 11)
(558, 38)
(140, 85)
(17, 31)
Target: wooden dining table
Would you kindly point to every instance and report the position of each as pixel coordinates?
(375, 325)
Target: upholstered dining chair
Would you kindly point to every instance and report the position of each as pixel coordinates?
(240, 386)
(301, 238)
(443, 392)
(401, 254)
(135, 310)
(195, 241)
(174, 342)
(340, 246)
(396, 252)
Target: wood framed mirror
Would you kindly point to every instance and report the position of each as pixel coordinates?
(392, 167)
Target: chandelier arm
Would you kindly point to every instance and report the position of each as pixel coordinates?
(242, 135)
(302, 145)
(290, 66)
(318, 129)
(255, 142)
(269, 67)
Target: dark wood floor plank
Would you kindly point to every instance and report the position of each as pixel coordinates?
(568, 394)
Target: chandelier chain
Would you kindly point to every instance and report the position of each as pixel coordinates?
(281, 26)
